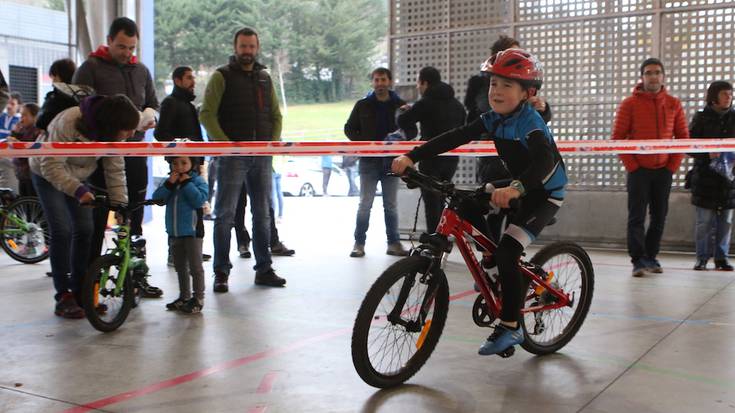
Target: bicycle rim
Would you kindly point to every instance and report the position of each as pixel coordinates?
(568, 268)
(29, 244)
(385, 351)
(107, 310)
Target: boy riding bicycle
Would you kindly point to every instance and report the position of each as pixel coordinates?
(525, 144)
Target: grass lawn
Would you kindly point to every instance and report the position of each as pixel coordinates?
(316, 122)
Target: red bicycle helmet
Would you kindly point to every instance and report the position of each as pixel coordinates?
(518, 65)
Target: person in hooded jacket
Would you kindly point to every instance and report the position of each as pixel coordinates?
(649, 113)
(63, 191)
(713, 194)
(437, 111)
(114, 69)
(372, 119)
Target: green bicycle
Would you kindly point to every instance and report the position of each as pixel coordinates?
(24, 233)
(111, 288)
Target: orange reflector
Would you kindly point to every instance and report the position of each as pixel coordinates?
(12, 244)
(96, 294)
(422, 336)
(540, 289)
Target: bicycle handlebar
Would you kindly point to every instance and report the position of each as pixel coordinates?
(103, 201)
(414, 179)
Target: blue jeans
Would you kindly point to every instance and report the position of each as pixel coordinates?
(70, 229)
(712, 233)
(369, 178)
(255, 173)
(277, 194)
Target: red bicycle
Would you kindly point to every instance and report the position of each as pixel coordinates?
(403, 314)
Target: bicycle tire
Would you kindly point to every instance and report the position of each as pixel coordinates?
(367, 316)
(547, 255)
(91, 295)
(29, 209)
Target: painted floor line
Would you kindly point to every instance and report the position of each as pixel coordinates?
(153, 388)
(266, 385)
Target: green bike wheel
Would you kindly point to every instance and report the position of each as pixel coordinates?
(105, 309)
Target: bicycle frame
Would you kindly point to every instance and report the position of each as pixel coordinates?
(122, 250)
(451, 224)
(15, 220)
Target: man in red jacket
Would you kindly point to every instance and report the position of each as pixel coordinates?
(650, 113)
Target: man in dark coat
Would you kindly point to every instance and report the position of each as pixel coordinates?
(437, 111)
(372, 119)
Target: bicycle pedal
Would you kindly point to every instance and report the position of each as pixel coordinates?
(508, 352)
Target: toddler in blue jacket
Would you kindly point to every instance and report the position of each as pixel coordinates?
(185, 192)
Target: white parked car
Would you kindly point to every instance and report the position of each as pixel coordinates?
(302, 176)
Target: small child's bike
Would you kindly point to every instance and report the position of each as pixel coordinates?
(24, 233)
(111, 287)
(403, 314)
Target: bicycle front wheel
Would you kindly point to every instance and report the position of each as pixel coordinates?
(24, 231)
(399, 322)
(105, 309)
(568, 268)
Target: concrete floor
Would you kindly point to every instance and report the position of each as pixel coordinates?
(658, 344)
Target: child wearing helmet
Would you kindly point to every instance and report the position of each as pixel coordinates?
(185, 193)
(526, 145)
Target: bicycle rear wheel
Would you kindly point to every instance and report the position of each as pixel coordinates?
(25, 235)
(569, 268)
(399, 322)
(105, 310)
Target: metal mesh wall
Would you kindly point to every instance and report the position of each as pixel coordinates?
(591, 51)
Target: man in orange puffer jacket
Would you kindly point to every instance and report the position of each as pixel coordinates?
(650, 113)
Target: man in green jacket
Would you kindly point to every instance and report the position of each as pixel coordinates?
(240, 104)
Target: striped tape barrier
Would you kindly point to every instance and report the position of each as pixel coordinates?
(367, 148)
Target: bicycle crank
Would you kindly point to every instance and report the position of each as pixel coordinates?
(480, 315)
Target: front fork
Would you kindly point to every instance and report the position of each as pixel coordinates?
(432, 283)
(122, 249)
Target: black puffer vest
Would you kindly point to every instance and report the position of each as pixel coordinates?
(709, 189)
(245, 109)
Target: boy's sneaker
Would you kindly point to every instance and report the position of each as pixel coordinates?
(67, 307)
(501, 339)
(639, 268)
(281, 250)
(269, 279)
(147, 290)
(723, 265)
(653, 266)
(176, 305)
(396, 249)
(220, 282)
(358, 251)
(206, 257)
(193, 306)
(244, 251)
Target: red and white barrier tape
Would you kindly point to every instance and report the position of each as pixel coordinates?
(367, 148)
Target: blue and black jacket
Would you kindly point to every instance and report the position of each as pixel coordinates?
(523, 141)
(184, 206)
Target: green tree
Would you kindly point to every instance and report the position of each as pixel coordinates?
(319, 47)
